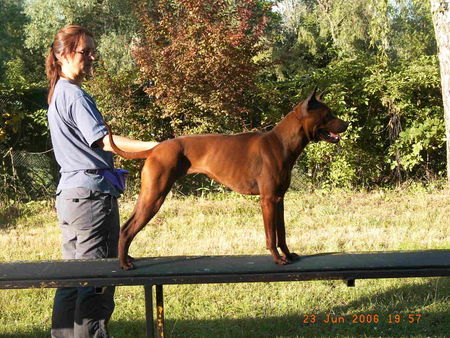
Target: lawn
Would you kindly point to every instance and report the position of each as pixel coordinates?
(231, 224)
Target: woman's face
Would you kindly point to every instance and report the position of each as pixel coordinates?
(79, 63)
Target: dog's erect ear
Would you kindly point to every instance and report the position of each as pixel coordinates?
(320, 95)
(312, 100)
(313, 94)
(309, 103)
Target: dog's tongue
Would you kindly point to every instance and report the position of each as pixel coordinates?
(334, 135)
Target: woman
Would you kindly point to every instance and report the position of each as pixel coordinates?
(86, 199)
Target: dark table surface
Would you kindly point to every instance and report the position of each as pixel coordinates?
(176, 269)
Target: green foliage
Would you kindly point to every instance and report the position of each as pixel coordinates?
(228, 66)
(19, 93)
(115, 56)
(419, 146)
(387, 89)
(11, 31)
(11, 113)
(23, 122)
(112, 22)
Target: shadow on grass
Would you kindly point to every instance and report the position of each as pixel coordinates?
(425, 300)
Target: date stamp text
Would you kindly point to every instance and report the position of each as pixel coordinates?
(412, 318)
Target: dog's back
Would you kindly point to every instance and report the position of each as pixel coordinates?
(223, 158)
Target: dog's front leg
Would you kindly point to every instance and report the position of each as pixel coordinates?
(281, 233)
(269, 211)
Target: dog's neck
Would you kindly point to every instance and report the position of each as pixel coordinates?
(292, 134)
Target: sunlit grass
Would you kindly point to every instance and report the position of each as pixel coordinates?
(230, 224)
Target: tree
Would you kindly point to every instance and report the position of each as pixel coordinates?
(113, 23)
(21, 123)
(11, 32)
(386, 88)
(440, 10)
(199, 57)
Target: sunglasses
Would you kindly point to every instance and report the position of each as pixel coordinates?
(87, 52)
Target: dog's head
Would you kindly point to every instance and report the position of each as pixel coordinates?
(318, 121)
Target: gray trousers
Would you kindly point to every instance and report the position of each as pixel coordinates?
(89, 222)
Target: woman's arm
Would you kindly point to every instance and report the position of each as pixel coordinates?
(125, 143)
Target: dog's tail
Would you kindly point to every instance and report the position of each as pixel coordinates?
(125, 154)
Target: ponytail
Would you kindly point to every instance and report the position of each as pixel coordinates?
(65, 42)
(53, 71)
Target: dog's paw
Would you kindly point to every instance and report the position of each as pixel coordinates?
(127, 266)
(281, 260)
(285, 261)
(127, 263)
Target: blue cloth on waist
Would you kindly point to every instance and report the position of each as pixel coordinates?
(117, 177)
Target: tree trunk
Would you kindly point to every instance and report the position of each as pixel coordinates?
(440, 10)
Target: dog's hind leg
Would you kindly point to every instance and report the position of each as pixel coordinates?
(156, 184)
(128, 258)
(146, 208)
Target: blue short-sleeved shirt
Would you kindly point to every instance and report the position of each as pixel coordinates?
(75, 126)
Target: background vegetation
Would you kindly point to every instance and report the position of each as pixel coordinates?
(173, 67)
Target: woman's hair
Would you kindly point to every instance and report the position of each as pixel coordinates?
(65, 42)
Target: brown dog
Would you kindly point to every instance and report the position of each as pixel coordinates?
(251, 163)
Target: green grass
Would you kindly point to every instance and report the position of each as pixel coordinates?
(324, 221)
